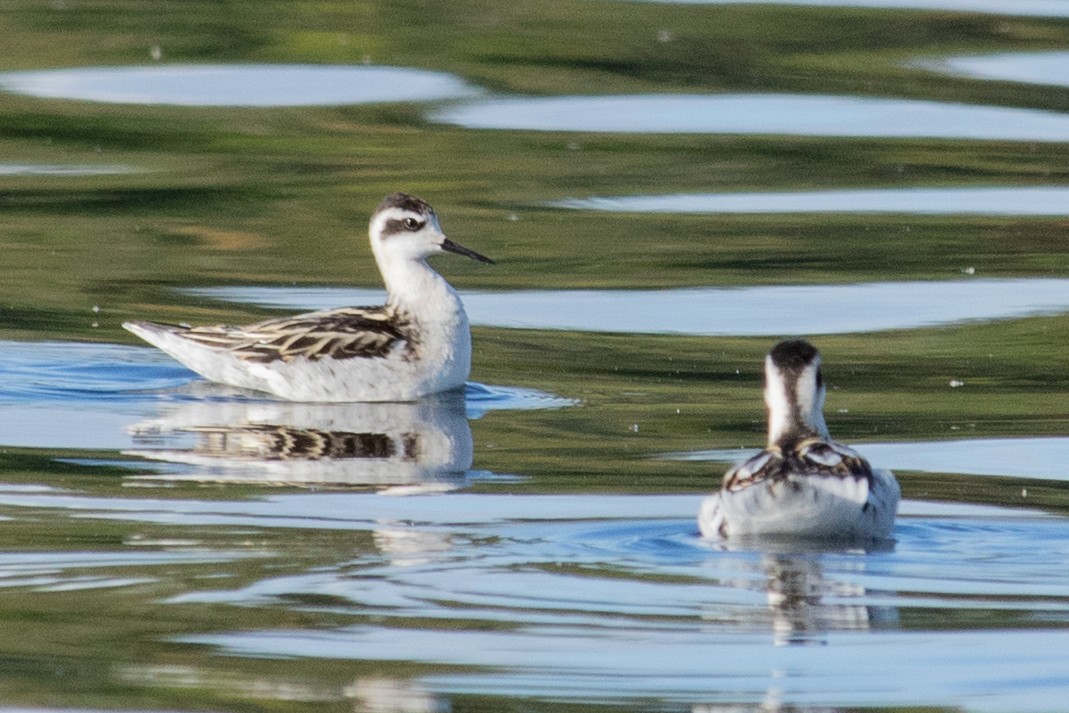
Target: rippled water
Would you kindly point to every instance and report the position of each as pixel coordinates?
(795, 115)
(1037, 200)
(1039, 8)
(608, 598)
(668, 188)
(615, 599)
(236, 85)
(1010, 457)
(753, 311)
(53, 170)
(1033, 67)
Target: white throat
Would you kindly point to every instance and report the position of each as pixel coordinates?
(416, 288)
(412, 285)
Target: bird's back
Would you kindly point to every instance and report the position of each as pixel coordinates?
(343, 333)
(813, 488)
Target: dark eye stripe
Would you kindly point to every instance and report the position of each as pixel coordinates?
(398, 225)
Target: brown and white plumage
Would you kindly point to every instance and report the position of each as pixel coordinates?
(803, 484)
(342, 333)
(418, 343)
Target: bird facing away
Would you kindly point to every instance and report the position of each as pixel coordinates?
(418, 343)
(803, 484)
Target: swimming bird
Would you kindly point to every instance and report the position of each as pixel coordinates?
(418, 343)
(803, 484)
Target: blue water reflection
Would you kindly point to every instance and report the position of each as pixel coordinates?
(752, 114)
(1035, 8)
(994, 671)
(1031, 200)
(746, 311)
(252, 85)
(44, 169)
(1038, 458)
(71, 571)
(1028, 67)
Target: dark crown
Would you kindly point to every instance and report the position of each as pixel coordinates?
(793, 355)
(404, 201)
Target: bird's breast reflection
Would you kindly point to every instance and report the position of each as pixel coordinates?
(421, 443)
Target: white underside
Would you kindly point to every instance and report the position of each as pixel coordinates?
(389, 378)
(805, 506)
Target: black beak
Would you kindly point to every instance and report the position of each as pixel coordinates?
(449, 246)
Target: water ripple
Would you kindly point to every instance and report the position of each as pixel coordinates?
(635, 609)
(1033, 8)
(30, 169)
(1032, 200)
(259, 85)
(1048, 68)
(758, 114)
(614, 598)
(745, 311)
(1039, 458)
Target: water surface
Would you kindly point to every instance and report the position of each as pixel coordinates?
(747, 311)
(1037, 8)
(30, 169)
(756, 114)
(1033, 200)
(526, 546)
(259, 85)
(1037, 458)
(1050, 68)
(575, 593)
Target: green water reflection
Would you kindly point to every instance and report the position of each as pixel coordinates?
(226, 196)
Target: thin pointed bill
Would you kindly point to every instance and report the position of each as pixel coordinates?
(449, 246)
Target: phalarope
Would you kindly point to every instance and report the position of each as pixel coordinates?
(803, 483)
(418, 343)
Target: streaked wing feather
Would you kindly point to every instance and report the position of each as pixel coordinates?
(809, 457)
(757, 468)
(345, 333)
(829, 458)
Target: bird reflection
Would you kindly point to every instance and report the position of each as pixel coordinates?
(393, 695)
(805, 604)
(811, 590)
(770, 705)
(424, 444)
